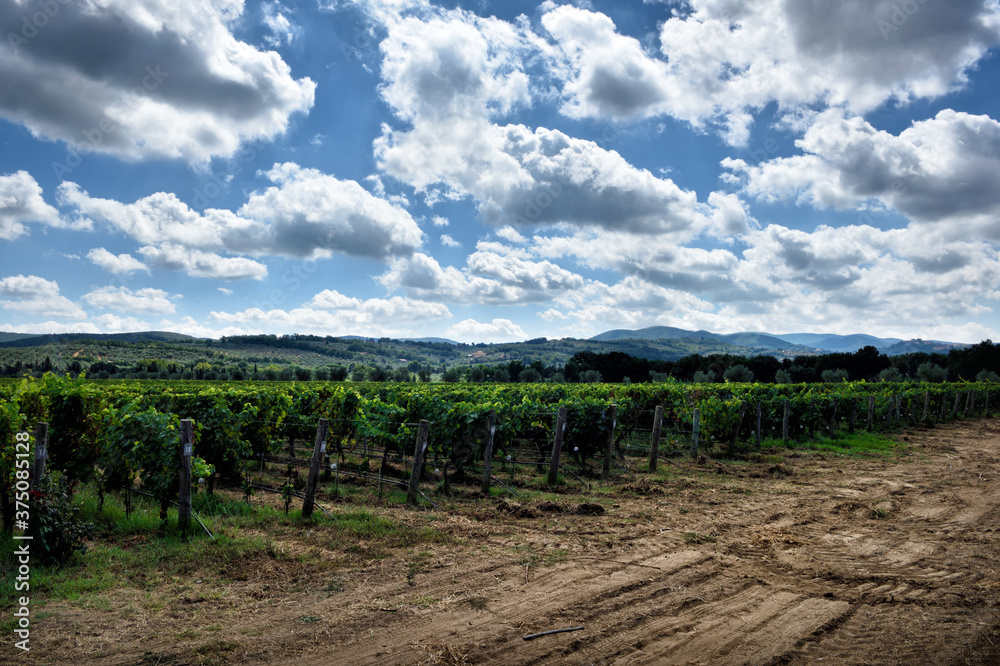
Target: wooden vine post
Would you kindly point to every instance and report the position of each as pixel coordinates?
(319, 451)
(184, 489)
(609, 447)
(757, 432)
(418, 461)
(695, 431)
(491, 429)
(852, 418)
(557, 446)
(784, 421)
(739, 426)
(41, 453)
(654, 444)
(871, 412)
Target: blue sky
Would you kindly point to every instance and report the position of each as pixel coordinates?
(489, 171)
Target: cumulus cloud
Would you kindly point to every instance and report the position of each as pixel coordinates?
(719, 59)
(493, 274)
(312, 214)
(203, 264)
(943, 173)
(21, 202)
(607, 74)
(38, 296)
(148, 300)
(498, 330)
(306, 214)
(448, 77)
(332, 313)
(119, 264)
(143, 79)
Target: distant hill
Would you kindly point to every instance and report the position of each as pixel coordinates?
(651, 333)
(785, 344)
(922, 346)
(64, 338)
(838, 343)
(745, 343)
(7, 337)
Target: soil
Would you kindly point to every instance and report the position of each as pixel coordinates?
(817, 558)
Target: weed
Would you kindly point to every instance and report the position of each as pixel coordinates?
(698, 538)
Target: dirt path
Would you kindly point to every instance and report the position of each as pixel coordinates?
(818, 559)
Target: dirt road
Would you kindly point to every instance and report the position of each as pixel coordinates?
(816, 559)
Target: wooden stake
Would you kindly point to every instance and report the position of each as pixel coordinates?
(695, 430)
(757, 438)
(557, 446)
(739, 426)
(41, 453)
(609, 447)
(491, 429)
(418, 462)
(784, 421)
(184, 489)
(654, 444)
(871, 412)
(319, 451)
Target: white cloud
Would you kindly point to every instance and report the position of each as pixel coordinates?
(21, 202)
(607, 74)
(38, 296)
(118, 264)
(312, 214)
(942, 173)
(143, 79)
(720, 59)
(448, 241)
(306, 214)
(282, 30)
(199, 263)
(498, 330)
(511, 235)
(493, 274)
(448, 77)
(148, 300)
(332, 313)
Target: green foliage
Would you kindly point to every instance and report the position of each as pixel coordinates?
(55, 525)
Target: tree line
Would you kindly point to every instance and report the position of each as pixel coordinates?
(980, 362)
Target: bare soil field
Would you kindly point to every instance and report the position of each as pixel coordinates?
(815, 558)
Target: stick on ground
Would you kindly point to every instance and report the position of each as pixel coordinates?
(531, 637)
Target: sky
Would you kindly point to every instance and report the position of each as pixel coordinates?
(497, 171)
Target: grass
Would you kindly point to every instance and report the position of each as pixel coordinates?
(860, 443)
(136, 551)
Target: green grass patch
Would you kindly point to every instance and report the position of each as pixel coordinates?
(860, 443)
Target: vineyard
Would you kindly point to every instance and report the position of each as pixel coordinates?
(122, 434)
(562, 505)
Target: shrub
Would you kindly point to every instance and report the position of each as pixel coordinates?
(55, 525)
